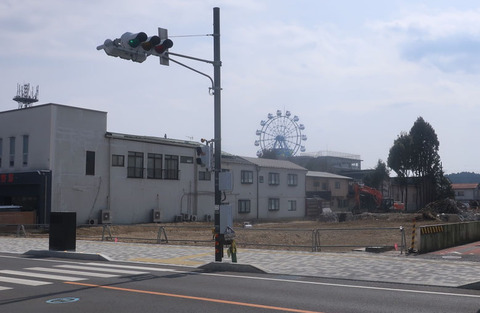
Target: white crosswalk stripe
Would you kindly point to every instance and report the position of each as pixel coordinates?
(41, 275)
(19, 281)
(134, 267)
(106, 270)
(70, 272)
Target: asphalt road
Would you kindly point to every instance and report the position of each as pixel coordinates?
(50, 285)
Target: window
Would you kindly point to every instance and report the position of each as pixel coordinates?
(247, 177)
(12, 151)
(316, 184)
(118, 160)
(135, 164)
(186, 159)
(324, 186)
(243, 206)
(25, 150)
(292, 179)
(90, 163)
(204, 175)
(292, 205)
(273, 204)
(273, 178)
(337, 185)
(154, 166)
(171, 166)
(260, 179)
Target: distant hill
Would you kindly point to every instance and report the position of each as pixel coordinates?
(464, 178)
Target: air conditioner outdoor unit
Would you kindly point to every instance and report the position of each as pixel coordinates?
(156, 216)
(178, 218)
(106, 216)
(93, 221)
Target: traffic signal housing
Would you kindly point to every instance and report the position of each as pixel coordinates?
(132, 41)
(115, 48)
(204, 156)
(138, 46)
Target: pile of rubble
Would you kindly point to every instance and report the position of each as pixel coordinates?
(444, 209)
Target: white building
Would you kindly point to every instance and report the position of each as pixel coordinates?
(265, 189)
(60, 158)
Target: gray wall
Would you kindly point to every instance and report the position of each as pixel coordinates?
(438, 237)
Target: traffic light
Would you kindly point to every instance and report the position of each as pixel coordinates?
(115, 48)
(204, 158)
(130, 40)
(162, 50)
(138, 46)
(150, 43)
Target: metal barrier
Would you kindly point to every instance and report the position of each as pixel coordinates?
(160, 237)
(316, 243)
(21, 229)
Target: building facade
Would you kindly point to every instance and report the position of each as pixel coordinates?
(61, 158)
(335, 190)
(265, 189)
(467, 192)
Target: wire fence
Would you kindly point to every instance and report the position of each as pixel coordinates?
(377, 239)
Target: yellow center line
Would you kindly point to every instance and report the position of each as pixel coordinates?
(260, 306)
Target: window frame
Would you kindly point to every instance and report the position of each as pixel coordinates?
(135, 164)
(171, 165)
(273, 179)
(292, 205)
(204, 175)
(12, 152)
(273, 204)
(246, 177)
(244, 206)
(292, 179)
(90, 163)
(25, 144)
(118, 160)
(155, 170)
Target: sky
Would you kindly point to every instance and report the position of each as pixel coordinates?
(356, 73)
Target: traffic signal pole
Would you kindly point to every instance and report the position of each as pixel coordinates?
(216, 90)
(217, 63)
(137, 47)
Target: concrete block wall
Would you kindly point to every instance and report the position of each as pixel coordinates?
(438, 237)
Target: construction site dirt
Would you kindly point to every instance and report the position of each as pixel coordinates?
(387, 230)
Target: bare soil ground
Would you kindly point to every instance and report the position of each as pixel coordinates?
(366, 230)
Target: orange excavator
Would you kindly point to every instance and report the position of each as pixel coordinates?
(368, 199)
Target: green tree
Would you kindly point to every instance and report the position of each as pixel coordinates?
(376, 178)
(425, 160)
(416, 154)
(399, 160)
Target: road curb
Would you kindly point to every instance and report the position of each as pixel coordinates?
(68, 255)
(231, 267)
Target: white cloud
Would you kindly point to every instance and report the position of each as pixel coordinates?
(356, 77)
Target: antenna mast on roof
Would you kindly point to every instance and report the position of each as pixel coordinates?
(26, 96)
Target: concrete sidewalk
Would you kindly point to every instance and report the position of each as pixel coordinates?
(387, 267)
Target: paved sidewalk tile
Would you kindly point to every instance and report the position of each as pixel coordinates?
(354, 265)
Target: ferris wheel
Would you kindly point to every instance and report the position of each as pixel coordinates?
(282, 134)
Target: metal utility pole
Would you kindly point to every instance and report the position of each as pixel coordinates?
(217, 63)
(137, 47)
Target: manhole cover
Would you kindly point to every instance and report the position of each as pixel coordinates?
(63, 300)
